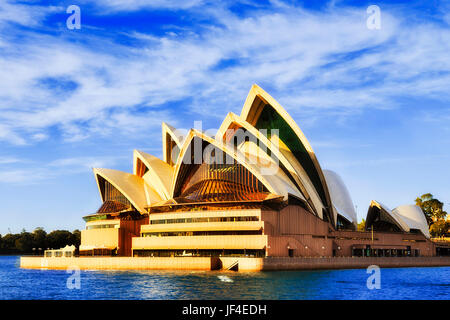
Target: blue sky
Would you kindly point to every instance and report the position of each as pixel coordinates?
(374, 104)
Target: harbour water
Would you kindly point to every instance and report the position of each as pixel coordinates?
(395, 283)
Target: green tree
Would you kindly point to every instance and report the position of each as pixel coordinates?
(76, 238)
(24, 243)
(60, 238)
(362, 225)
(40, 238)
(8, 243)
(431, 207)
(440, 228)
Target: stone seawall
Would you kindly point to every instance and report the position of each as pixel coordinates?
(119, 263)
(283, 263)
(223, 263)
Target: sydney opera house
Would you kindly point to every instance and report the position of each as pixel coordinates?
(254, 189)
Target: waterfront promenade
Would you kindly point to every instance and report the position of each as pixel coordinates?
(227, 263)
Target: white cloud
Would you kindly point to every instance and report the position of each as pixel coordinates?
(81, 164)
(7, 134)
(383, 161)
(295, 52)
(39, 136)
(13, 172)
(22, 176)
(9, 160)
(25, 15)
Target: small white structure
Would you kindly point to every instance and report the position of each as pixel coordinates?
(66, 252)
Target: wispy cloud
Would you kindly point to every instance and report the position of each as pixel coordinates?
(24, 14)
(9, 160)
(311, 60)
(386, 160)
(82, 163)
(13, 172)
(109, 6)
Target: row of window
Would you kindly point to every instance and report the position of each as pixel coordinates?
(200, 253)
(356, 238)
(58, 254)
(95, 217)
(209, 219)
(201, 233)
(100, 226)
(385, 252)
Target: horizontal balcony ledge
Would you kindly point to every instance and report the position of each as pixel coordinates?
(201, 242)
(204, 226)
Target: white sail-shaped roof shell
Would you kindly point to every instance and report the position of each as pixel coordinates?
(234, 122)
(277, 183)
(414, 217)
(406, 217)
(159, 173)
(131, 186)
(169, 133)
(387, 215)
(251, 111)
(340, 196)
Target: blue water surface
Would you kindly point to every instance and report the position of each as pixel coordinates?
(396, 283)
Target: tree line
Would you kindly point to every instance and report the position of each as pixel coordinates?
(37, 241)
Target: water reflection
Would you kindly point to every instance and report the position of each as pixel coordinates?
(404, 283)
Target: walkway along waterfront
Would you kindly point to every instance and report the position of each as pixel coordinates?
(224, 263)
